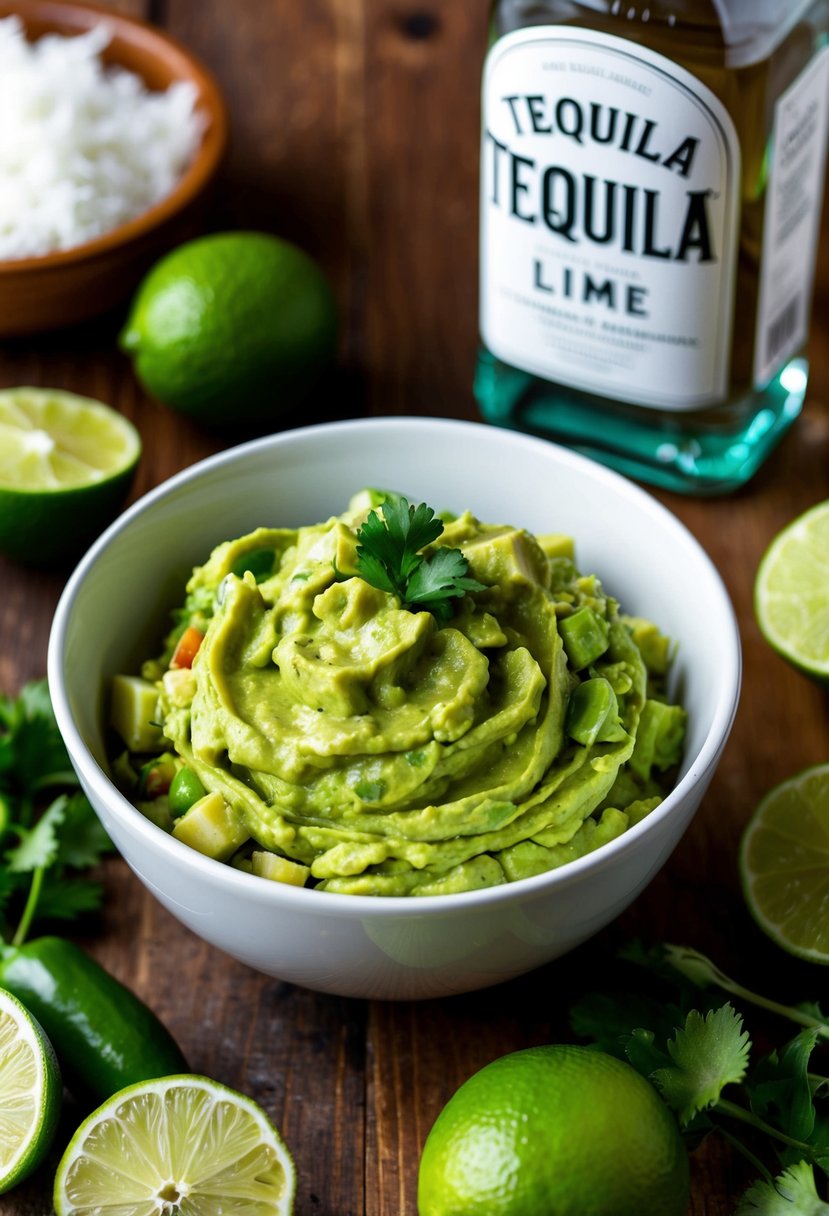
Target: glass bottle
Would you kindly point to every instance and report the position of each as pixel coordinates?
(651, 184)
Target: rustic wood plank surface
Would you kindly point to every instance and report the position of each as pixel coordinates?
(354, 131)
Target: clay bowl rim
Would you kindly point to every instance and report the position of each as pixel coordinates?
(67, 17)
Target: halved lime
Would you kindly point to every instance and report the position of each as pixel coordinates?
(30, 1092)
(66, 465)
(784, 864)
(184, 1145)
(791, 592)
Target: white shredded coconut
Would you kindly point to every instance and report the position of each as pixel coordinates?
(83, 147)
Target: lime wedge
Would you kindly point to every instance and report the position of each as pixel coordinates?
(791, 592)
(30, 1092)
(183, 1145)
(784, 864)
(66, 465)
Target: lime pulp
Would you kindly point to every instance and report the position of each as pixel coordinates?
(30, 1092)
(66, 466)
(784, 864)
(180, 1143)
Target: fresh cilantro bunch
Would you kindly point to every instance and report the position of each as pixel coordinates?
(694, 1047)
(49, 834)
(389, 557)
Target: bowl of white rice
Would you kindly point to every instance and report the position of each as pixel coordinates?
(111, 134)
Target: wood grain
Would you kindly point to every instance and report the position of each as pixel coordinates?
(354, 131)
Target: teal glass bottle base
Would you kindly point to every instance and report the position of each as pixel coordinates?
(665, 448)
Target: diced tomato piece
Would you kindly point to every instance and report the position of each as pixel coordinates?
(156, 775)
(187, 647)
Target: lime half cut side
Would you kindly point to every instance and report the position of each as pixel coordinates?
(30, 1092)
(784, 864)
(182, 1145)
(66, 466)
(791, 592)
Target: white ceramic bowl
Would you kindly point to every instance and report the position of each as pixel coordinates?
(114, 610)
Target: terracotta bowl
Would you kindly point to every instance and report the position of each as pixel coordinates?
(63, 288)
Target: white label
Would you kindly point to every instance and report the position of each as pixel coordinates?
(790, 235)
(609, 195)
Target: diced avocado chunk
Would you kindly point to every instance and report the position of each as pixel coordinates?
(482, 629)
(656, 649)
(557, 544)
(133, 712)
(585, 636)
(370, 498)
(279, 869)
(179, 685)
(511, 556)
(212, 827)
(345, 558)
(593, 713)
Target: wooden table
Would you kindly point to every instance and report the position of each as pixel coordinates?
(354, 132)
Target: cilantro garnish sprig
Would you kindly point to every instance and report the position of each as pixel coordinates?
(390, 557)
(696, 1051)
(49, 835)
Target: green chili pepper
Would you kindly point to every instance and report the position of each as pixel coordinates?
(104, 1036)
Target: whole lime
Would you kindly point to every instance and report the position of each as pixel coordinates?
(558, 1129)
(232, 328)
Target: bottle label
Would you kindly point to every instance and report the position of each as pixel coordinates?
(793, 201)
(609, 211)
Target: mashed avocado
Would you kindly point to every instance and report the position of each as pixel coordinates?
(383, 751)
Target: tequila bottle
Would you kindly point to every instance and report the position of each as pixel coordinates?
(651, 184)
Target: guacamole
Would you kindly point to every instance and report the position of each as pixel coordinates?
(330, 736)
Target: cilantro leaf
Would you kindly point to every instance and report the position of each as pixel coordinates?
(411, 529)
(372, 570)
(63, 898)
(793, 1193)
(32, 755)
(39, 845)
(83, 839)
(610, 1019)
(708, 1053)
(779, 1090)
(783, 1093)
(45, 847)
(780, 1100)
(389, 557)
(441, 578)
(644, 1055)
(379, 546)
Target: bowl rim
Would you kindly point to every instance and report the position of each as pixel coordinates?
(202, 167)
(358, 906)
